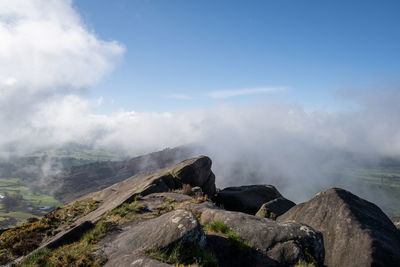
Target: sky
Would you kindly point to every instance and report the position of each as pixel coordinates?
(274, 92)
(177, 53)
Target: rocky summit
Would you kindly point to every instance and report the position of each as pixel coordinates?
(356, 232)
(177, 216)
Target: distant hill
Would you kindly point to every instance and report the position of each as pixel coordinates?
(84, 179)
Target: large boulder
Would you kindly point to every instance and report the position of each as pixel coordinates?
(356, 232)
(275, 208)
(161, 232)
(271, 238)
(247, 199)
(196, 172)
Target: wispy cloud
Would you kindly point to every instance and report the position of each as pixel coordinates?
(245, 91)
(179, 96)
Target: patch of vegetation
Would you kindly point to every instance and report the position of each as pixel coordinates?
(126, 208)
(218, 227)
(82, 252)
(310, 258)
(37, 259)
(23, 239)
(235, 240)
(184, 253)
(165, 207)
(304, 264)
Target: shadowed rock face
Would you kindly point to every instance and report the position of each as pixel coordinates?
(168, 229)
(271, 238)
(247, 199)
(356, 232)
(196, 173)
(275, 208)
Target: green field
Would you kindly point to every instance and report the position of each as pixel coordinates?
(27, 203)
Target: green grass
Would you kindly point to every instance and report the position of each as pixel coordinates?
(37, 259)
(184, 253)
(82, 252)
(126, 209)
(238, 242)
(235, 240)
(23, 239)
(218, 227)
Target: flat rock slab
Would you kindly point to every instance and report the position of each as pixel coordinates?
(161, 232)
(356, 232)
(267, 235)
(247, 199)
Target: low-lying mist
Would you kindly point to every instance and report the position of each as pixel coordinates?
(299, 151)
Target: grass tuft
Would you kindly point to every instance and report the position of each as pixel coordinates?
(235, 240)
(184, 253)
(218, 227)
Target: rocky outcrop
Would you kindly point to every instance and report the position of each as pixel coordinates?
(271, 238)
(275, 208)
(189, 171)
(166, 230)
(247, 199)
(196, 172)
(356, 232)
(148, 220)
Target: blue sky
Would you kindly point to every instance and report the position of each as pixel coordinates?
(178, 52)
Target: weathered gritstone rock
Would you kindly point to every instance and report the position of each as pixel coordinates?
(356, 232)
(275, 208)
(138, 259)
(247, 199)
(162, 232)
(196, 171)
(154, 201)
(197, 209)
(272, 238)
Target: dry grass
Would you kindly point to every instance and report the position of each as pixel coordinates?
(21, 240)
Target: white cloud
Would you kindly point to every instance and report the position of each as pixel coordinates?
(241, 92)
(46, 53)
(46, 47)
